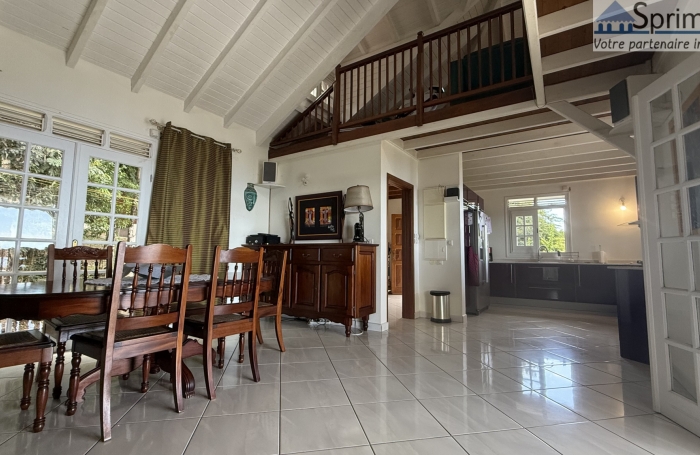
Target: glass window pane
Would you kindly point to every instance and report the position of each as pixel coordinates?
(528, 220)
(45, 161)
(679, 318)
(694, 198)
(683, 380)
(529, 230)
(10, 188)
(127, 203)
(39, 224)
(550, 226)
(33, 256)
(695, 248)
(29, 279)
(98, 199)
(662, 116)
(520, 231)
(692, 154)
(9, 219)
(129, 177)
(674, 261)
(7, 256)
(697, 311)
(666, 163)
(529, 241)
(125, 229)
(670, 217)
(520, 241)
(689, 95)
(42, 192)
(96, 227)
(519, 220)
(12, 154)
(101, 171)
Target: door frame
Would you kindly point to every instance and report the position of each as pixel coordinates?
(408, 299)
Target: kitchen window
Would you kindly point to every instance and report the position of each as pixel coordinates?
(538, 223)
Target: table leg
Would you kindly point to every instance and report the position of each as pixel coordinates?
(163, 359)
(365, 323)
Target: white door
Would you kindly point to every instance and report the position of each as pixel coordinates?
(112, 197)
(36, 174)
(667, 134)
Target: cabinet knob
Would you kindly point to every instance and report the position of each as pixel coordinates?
(305, 255)
(337, 255)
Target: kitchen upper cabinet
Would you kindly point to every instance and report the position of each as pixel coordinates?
(502, 278)
(595, 284)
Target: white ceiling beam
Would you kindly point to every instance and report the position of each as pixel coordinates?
(347, 43)
(566, 19)
(392, 26)
(434, 13)
(552, 180)
(535, 176)
(316, 17)
(553, 169)
(569, 142)
(504, 126)
(533, 44)
(255, 14)
(593, 125)
(593, 86)
(537, 159)
(574, 57)
(177, 15)
(85, 29)
(536, 135)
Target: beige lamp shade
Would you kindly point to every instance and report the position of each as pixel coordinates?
(358, 199)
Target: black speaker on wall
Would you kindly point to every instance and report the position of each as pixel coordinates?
(269, 174)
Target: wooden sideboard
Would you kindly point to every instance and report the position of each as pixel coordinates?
(334, 281)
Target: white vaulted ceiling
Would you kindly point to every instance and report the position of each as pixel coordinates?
(251, 62)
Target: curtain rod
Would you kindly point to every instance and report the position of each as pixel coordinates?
(160, 127)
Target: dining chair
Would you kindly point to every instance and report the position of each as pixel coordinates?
(231, 309)
(272, 296)
(62, 329)
(142, 319)
(28, 347)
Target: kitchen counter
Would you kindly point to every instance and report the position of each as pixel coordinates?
(564, 262)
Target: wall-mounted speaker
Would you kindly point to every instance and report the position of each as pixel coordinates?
(269, 174)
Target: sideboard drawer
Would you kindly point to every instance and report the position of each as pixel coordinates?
(336, 255)
(306, 255)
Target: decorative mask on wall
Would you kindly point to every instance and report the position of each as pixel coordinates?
(250, 196)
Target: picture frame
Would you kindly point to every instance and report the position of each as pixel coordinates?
(319, 216)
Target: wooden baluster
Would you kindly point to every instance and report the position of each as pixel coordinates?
(490, 53)
(364, 91)
(503, 58)
(469, 59)
(439, 84)
(386, 82)
(134, 288)
(75, 270)
(371, 82)
(410, 80)
(336, 107)
(526, 48)
(512, 45)
(357, 93)
(449, 64)
(459, 61)
(395, 90)
(352, 87)
(171, 289)
(479, 66)
(419, 80)
(403, 78)
(147, 293)
(430, 64)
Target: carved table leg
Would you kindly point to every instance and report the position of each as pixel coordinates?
(146, 371)
(163, 359)
(74, 383)
(58, 373)
(27, 387)
(365, 323)
(348, 326)
(42, 395)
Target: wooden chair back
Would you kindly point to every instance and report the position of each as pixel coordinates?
(140, 302)
(237, 286)
(80, 258)
(274, 269)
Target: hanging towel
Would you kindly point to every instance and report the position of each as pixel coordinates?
(472, 267)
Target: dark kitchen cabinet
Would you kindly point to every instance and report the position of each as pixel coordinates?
(595, 284)
(502, 278)
(545, 281)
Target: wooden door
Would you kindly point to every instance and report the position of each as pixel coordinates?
(336, 289)
(304, 284)
(396, 255)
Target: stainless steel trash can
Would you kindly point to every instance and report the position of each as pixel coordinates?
(441, 306)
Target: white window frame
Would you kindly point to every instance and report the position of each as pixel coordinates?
(531, 252)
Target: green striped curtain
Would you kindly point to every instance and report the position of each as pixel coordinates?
(191, 195)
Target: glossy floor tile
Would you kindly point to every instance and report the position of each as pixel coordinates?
(510, 381)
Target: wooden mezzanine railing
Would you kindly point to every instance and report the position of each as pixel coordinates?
(468, 61)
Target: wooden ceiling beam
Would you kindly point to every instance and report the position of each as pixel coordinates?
(177, 15)
(255, 16)
(85, 29)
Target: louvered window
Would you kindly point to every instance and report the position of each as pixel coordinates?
(73, 130)
(549, 201)
(129, 145)
(521, 202)
(22, 117)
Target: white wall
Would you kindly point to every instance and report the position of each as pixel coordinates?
(35, 75)
(594, 212)
(445, 171)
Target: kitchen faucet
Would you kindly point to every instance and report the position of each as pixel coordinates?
(542, 248)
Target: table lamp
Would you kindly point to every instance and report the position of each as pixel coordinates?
(358, 200)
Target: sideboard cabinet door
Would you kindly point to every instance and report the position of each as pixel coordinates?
(304, 284)
(336, 289)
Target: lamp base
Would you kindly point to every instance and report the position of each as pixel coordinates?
(359, 233)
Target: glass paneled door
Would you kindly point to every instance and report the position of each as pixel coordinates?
(35, 190)
(112, 197)
(667, 132)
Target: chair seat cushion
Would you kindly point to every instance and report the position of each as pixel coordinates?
(198, 321)
(77, 320)
(97, 337)
(28, 338)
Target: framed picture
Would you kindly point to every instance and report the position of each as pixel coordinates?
(319, 216)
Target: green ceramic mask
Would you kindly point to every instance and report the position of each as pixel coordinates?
(250, 196)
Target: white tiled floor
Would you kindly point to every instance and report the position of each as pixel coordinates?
(510, 381)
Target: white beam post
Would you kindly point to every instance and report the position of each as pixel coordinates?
(533, 43)
(85, 29)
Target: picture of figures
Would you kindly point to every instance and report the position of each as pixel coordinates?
(310, 217)
(326, 217)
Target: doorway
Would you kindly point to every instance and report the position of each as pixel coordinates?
(401, 298)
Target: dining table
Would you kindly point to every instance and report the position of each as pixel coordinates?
(43, 300)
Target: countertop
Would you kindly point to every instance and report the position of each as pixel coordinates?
(615, 264)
